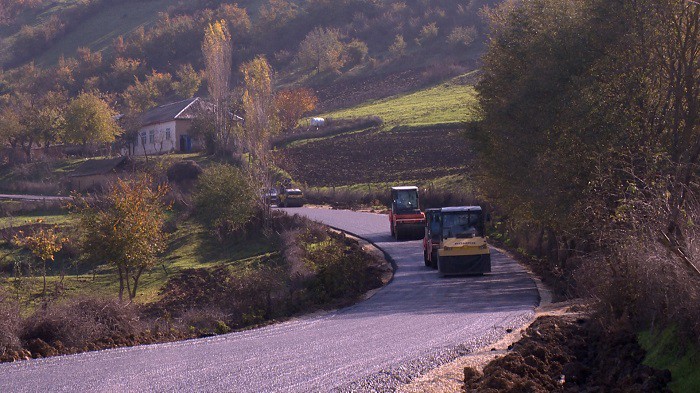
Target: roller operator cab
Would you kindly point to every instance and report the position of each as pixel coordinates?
(462, 248)
(406, 219)
(431, 237)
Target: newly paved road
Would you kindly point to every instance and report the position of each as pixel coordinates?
(416, 322)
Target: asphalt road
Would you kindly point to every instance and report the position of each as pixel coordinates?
(415, 323)
(33, 197)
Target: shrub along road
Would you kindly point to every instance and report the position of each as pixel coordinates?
(415, 323)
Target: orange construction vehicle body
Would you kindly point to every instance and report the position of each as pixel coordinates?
(405, 216)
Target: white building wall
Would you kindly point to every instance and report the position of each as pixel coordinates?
(158, 138)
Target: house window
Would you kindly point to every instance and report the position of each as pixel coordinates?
(167, 134)
(152, 136)
(143, 137)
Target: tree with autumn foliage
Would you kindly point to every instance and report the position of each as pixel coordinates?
(322, 50)
(292, 104)
(124, 228)
(9, 9)
(188, 82)
(142, 96)
(89, 119)
(218, 59)
(43, 243)
(261, 122)
(590, 140)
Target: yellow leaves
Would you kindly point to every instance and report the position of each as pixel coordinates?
(216, 36)
(292, 104)
(124, 225)
(261, 119)
(90, 119)
(43, 243)
(217, 52)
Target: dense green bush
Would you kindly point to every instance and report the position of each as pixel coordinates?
(224, 199)
(338, 270)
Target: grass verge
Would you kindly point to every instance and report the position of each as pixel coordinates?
(665, 350)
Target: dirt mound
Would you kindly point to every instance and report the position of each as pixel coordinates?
(568, 354)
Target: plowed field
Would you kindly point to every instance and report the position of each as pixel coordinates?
(372, 156)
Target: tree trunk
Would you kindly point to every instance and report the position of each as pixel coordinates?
(63, 272)
(540, 243)
(136, 277)
(127, 273)
(27, 149)
(43, 291)
(121, 285)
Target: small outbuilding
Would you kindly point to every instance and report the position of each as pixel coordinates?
(96, 175)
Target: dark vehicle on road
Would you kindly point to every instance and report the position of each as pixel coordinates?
(271, 196)
(405, 217)
(431, 238)
(462, 248)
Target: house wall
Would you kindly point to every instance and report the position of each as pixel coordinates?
(160, 144)
(158, 138)
(92, 182)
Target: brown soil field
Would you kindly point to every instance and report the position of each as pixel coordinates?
(373, 156)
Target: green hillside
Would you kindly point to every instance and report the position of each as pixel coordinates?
(450, 102)
(99, 31)
(59, 27)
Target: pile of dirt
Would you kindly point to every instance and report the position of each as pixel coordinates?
(37, 348)
(569, 354)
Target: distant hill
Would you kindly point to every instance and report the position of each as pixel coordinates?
(91, 24)
(433, 40)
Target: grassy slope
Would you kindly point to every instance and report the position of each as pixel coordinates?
(25, 219)
(34, 16)
(98, 32)
(664, 351)
(449, 102)
(191, 246)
